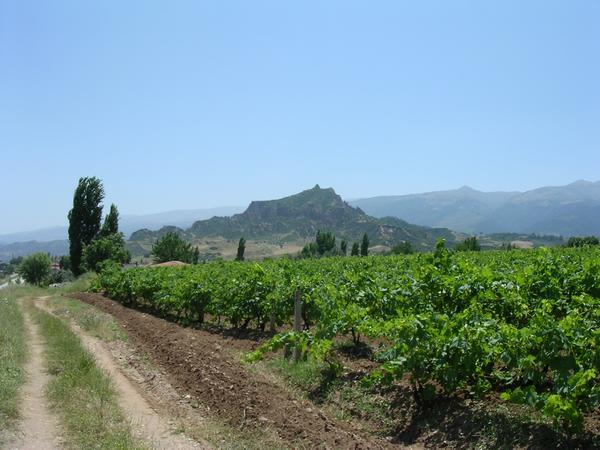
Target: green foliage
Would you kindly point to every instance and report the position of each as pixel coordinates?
(111, 222)
(84, 218)
(582, 241)
(10, 267)
(35, 268)
(310, 250)
(344, 247)
(241, 249)
(14, 263)
(364, 246)
(522, 323)
(60, 276)
(470, 244)
(171, 247)
(325, 242)
(403, 248)
(12, 357)
(65, 262)
(355, 249)
(110, 247)
(324, 245)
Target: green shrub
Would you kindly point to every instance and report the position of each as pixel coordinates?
(35, 269)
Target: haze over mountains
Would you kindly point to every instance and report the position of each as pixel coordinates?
(128, 223)
(53, 240)
(568, 210)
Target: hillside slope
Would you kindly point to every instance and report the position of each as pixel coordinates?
(128, 223)
(568, 210)
(54, 248)
(298, 217)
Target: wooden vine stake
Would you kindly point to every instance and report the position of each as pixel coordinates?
(297, 320)
(272, 322)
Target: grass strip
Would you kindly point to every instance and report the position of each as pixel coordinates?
(80, 393)
(93, 321)
(12, 358)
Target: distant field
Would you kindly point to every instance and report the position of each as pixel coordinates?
(215, 248)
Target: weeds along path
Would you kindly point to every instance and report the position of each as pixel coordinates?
(147, 425)
(39, 428)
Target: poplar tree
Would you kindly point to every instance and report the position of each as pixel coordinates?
(84, 218)
(111, 222)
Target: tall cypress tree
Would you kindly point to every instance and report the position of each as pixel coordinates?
(355, 249)
(241, 249)
(111, 222)
(344, 246)
(364, 246)
(84, 218)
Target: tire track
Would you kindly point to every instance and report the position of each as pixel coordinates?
(147, 424)
(38, 428)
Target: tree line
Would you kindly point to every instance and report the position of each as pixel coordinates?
(325, 245)
(91, 240)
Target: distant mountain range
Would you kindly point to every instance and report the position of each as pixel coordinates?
(128, 223)
(56, 247)
(299, 217)
(54, 240)
(568, 210)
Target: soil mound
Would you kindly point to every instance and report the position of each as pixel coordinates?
(170, 264)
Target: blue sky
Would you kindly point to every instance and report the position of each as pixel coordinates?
(199, 104)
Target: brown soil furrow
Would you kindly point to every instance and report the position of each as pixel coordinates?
(201, 364)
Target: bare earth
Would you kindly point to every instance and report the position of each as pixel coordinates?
(206, 367)
(147, 425)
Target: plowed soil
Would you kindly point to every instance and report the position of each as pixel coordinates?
(207, 367)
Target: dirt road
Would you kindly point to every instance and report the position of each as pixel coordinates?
(148, 425)
(39, 428)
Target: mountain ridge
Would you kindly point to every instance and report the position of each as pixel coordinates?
(299, 216)
(572, 209)
(568, 210)
(128, 224)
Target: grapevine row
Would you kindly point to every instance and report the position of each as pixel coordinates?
(524, 323)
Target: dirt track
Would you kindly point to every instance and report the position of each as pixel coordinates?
(201, 364)
(39, 428)
(147, 424)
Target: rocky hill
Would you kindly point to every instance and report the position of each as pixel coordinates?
(298, 217)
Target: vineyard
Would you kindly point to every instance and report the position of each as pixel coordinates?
(525, 324)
